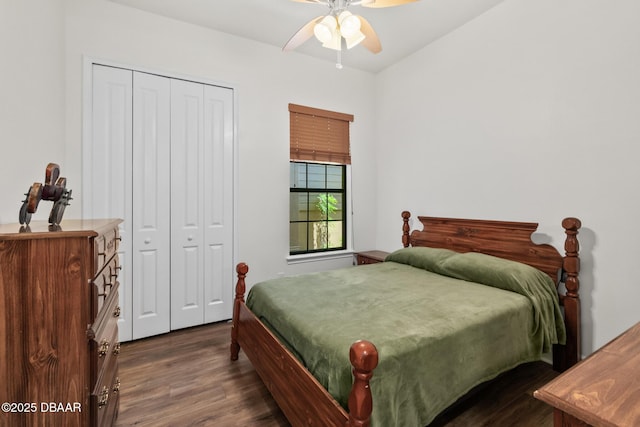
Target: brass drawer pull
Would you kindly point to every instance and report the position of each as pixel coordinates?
(104, 397)
(116, 385)
(116, 349)
(116, 312)
(104, 348)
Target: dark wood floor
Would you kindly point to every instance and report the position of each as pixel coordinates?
(185, 378)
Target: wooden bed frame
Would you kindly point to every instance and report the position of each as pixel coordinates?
(304, 401)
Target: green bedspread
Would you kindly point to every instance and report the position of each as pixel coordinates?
(437, 336)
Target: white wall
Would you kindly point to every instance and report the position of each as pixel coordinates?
(31, 98)
(46, 52)
(528, 113)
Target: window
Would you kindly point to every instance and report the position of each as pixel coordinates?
(319, 154)
(317, 199)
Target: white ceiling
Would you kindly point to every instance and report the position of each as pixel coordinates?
(402, 30)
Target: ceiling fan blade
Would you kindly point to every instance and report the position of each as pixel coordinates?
(371, 40)
(382, 3)
(302, 35)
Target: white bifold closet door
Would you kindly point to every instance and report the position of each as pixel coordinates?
(163, 161)
(201, 201)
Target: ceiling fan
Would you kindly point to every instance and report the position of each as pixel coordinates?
(340, 27)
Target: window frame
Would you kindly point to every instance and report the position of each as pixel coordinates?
(326, 189)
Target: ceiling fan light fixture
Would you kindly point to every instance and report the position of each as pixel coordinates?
(354, 40)
(326, 29)
(335, 42)
(349, 24)
(340, 24)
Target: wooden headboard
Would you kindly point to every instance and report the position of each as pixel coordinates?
(512, 240)
(504, 239)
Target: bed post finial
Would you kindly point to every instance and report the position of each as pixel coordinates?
(571, 300)
(364, 358)
(242, 269)
(405, 228)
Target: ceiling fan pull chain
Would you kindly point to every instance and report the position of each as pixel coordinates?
(339, 62)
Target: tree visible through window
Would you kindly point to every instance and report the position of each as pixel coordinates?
(317, 199)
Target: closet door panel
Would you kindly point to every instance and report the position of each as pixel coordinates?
(187, 204)
(217, 289)
(218, 212)
(107, 165)
(186, 296)
(151, 204)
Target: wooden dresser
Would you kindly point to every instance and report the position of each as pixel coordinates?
(602, 390)
(58, 327)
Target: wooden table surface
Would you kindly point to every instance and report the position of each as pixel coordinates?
(604, 389)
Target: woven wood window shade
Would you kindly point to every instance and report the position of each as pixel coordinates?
(319, 135)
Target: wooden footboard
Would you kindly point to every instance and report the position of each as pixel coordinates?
(303, 400)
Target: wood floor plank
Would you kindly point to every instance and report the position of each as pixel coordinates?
(185, 378)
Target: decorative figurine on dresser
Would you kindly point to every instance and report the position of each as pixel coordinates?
(54, 189)
(59, 323)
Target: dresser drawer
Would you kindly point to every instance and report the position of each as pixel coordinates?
(105, 344)
(105, 283)
(105, 397)
(109, 311)
(105, 246)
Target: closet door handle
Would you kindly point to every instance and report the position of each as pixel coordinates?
(190, 238)
(147, 240)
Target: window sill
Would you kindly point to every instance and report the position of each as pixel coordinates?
(323, 256)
